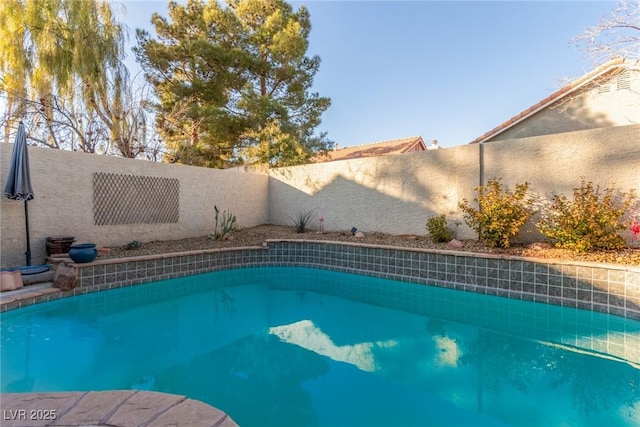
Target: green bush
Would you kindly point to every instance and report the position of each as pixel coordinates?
(500, 215)
(438, 229)
(590, 221)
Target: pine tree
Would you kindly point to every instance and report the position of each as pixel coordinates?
(234, 83)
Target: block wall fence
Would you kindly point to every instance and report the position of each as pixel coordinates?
(63, 183)
(398, 193)
(394, 194)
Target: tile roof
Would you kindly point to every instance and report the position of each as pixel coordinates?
(396, 146)
(617, 63)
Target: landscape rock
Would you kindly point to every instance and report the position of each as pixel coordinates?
(359, 234)
(455, 243)
(65, 278)
(257, 236)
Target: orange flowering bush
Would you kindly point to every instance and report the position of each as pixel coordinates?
(591, 220)
(500, 214)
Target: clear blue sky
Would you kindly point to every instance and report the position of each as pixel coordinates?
(448, 70)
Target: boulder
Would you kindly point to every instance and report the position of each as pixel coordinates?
(65, 278)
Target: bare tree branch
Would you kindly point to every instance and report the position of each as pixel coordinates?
(617, 34)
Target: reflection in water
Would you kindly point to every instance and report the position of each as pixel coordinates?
(448, 351)
(224, 304)
(306, 335)
(257, 378)
(298, 358)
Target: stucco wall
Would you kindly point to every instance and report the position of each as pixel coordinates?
(600, 105)
(391, 193)
(398, 193)
(63, 204)
(394, 194)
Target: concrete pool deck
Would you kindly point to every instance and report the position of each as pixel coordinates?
(30, 292)
(127, 408)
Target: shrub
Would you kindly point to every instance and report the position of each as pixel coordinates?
(438, 229)
(301, 220)
(500, 214)
(590, 221)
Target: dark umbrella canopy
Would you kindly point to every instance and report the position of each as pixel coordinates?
(18, 185)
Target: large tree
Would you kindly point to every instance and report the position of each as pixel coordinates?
(234, 83)
(62, 72)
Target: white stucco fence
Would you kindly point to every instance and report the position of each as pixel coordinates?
(394, 194)
(398, 193)
(63, 205)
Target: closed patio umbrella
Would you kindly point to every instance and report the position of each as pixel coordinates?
(18, 185)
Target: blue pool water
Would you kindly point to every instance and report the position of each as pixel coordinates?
(304, 347)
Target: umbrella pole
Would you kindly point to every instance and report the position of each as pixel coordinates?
(26, 222)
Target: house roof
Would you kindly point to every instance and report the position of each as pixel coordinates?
(616, 64)
(395, 146)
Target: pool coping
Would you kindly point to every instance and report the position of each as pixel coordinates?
(602, 287)
(113, 408)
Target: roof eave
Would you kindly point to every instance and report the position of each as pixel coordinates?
(553, 99)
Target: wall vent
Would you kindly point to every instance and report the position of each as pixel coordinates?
(624, 80)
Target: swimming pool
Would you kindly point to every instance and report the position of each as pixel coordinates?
(300, 346)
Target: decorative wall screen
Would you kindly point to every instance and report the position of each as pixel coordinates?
(132, 199)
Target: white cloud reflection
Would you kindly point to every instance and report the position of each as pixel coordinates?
(308, 336)
(448, 351)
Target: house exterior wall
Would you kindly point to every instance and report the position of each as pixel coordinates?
(397, 193)
(63, 205)
(614, 102)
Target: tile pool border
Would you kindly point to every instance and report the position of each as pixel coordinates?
(607, 288)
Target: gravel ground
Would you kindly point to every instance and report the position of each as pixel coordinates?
(256, 236)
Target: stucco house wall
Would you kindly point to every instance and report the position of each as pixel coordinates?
(614, 102)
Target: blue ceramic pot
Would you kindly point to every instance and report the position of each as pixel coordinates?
(83, 252)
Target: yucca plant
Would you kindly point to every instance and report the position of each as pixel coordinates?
(301, 220)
